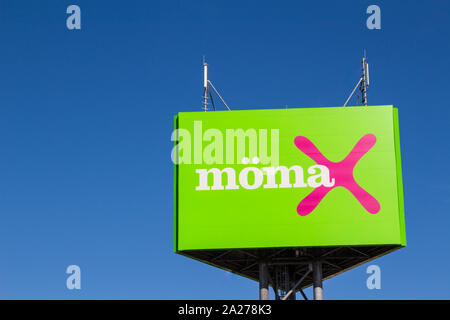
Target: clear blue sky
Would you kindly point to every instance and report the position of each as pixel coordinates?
(86, 118)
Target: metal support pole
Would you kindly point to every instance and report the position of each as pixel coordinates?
(274, 286)
(220, 97)
(351, 94)
(317, 280)
(303, 294)
(263, 281)
(291, 292)
(290, 295)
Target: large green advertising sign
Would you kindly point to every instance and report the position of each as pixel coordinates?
(288, 178)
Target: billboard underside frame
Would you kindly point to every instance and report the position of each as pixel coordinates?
(335, 260)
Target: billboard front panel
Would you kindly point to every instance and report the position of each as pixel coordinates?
(288, 178)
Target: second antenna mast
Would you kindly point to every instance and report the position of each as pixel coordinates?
(207, 86)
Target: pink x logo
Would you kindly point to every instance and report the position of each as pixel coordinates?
(342, 172)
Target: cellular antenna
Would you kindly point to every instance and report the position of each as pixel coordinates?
(363, 84)
(364, 81)
(207, 85)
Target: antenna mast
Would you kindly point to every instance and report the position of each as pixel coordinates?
(363, 84)
(206, 90)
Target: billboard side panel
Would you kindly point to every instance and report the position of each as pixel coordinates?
(175, 190)
(399, 178)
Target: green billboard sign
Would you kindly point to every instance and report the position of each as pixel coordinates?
(288, 178)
